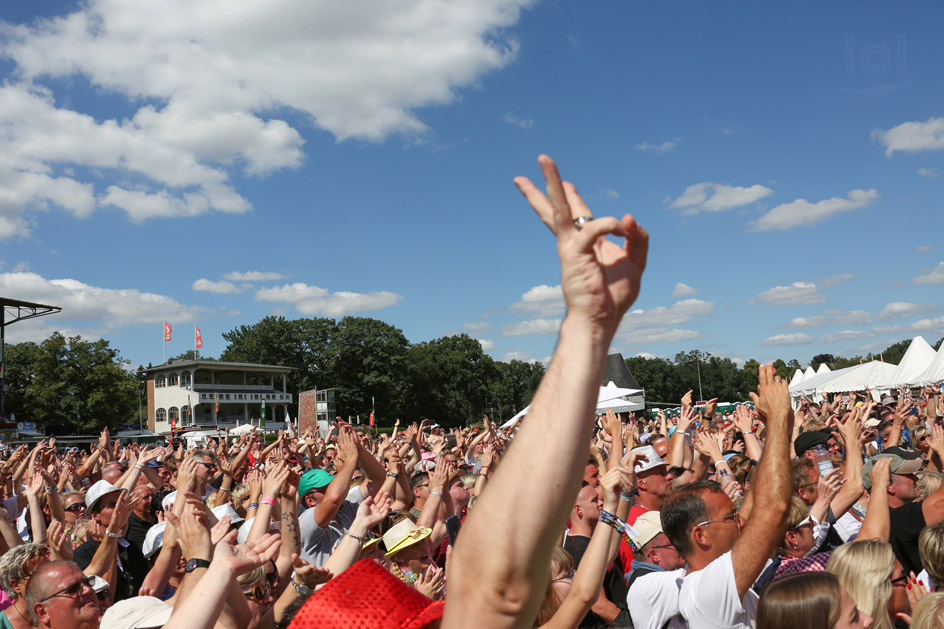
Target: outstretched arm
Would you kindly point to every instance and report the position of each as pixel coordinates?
(520, 521)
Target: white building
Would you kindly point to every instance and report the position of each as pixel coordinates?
(190, 392)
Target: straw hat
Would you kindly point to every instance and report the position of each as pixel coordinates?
(403, 535)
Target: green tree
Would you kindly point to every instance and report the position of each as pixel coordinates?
(78, 387)
(514, 386)
(18, 376)
(451, 378)
(367, 359)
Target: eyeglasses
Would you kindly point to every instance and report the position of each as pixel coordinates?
(209, 466)
(803, 522)
(733, 517)
(569, 575)
(902, 580)
(672, 546)
(418, 486)
(71, 591)
(259, 592)
(76, 507)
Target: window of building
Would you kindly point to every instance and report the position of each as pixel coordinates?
(173, 414)
(185, 379)
(172, 380)
(160, 415)
(159, 381)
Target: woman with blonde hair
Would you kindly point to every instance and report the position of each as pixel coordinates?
(931, 550)
(874, 578)
(928, 612)
(810, 600)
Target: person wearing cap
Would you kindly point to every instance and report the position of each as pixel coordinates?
(409, 553)
(123, 562)
(658, 563)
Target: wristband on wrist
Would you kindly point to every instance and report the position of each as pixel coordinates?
(361, 538)
(110, 534)
(393, 474)
(50, 489)
(436, 493)
(266, 500)
(253, 505)
(225, 489)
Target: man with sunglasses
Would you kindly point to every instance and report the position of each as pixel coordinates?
(725, 558)
(61, 597)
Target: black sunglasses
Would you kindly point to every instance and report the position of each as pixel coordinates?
(71, 591)
(78, 506)
(209, 466)
(258, 592)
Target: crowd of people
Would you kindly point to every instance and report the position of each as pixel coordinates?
(827, 515)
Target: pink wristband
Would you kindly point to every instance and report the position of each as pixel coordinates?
(266, 500)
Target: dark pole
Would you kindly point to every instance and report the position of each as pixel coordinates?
(3, 327)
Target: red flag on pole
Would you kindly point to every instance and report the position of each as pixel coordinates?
(167, 331)
(217, 402)
(372, 419)
(198, 339)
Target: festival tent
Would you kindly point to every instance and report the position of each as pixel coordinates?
(855, 378)
(619, 399)
(797, 378)
(934, 373)
(915, 362)
(823, 368)
(809, 373)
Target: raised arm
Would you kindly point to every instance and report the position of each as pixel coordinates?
(519, 521)
(765, 526)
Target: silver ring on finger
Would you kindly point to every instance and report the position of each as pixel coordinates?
(580, 220)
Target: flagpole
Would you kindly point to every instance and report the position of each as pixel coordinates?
(164, 343)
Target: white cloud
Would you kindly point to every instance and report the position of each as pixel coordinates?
(922, 325)
(829, 317)
(526, 357)
(801, 212)
(524, 123)
(924, 248)
(665, 147)
(927, 172)
(717, 197)
(487, 345)
(535, 326)
(546, 301)
(932, 276)
(477, 327)
(797, 338)
(106, 307)
(252, 276)
(314, 300)
(845, 335)
(683, 290)
(904, 309)
(795, 294)
(652, 336)
(660, 316)
(912, 136)
(646, 355)
(203, 83)
(220, 288)
(831, 281)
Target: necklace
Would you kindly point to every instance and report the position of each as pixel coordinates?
(30, 622)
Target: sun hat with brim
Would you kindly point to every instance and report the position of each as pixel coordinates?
(371, 543)
(153, 539)
(899, 465)
(227, 509)
(140, 612)
(313, 479)
(403, 535)
(99, 584)
(652, 460)
(455, 475)
(97, 491)
(366, 596)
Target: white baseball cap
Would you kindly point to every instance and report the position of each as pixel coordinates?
(154, 539)
(652, 460)
(96, 491)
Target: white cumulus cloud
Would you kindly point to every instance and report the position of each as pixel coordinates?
(928, 172)
(829, 317)
(486, 344)
(801, 212)
(220, 288)
(534, 326)
(683, 290)
(524, 123)
(932, 276)
(252, 276)
(314, 300)
(797, 293)
(904, 309)
(665, 147)
(845, 335)
(788, 339)
(544, 300)
(912, 136)
(717, 197)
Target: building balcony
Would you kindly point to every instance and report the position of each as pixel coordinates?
(262, 388)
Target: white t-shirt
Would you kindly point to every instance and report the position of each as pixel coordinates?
(653, 600)
(847, 526)
(708, 599)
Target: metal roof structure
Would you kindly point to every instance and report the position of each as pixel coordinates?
(12, 311)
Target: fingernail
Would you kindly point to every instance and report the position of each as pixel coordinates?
(909, 586)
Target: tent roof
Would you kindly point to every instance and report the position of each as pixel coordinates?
(797, 378)
(823, 368)
(619, 399)
(934, 372)
(855, 378)
(915, 361)
(615, 370)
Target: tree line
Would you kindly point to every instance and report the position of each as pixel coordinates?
(76, 386)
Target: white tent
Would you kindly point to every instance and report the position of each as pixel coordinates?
(856, 378)
(797, 378)
(610, 396)
(934, 373)
(915, 362)
(809, 373)
(823, 368)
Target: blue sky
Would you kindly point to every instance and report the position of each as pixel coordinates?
(212, 163)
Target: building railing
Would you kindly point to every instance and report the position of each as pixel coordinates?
(234, 387)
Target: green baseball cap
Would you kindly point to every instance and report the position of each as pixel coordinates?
(312, 479)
